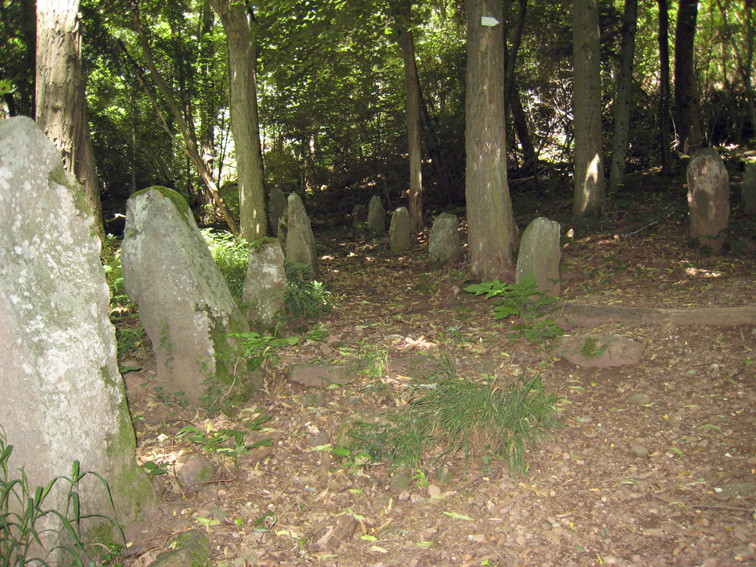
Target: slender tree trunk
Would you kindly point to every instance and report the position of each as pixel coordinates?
(208, 104)
(510, 55)
(190, 143)
(589, 160)
(412, 86)
(60, 98)
(622, 98)
(491, 228)
(686, 100)
(520, 120)
(242, 63)
(664, 108)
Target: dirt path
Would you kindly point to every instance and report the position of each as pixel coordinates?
(654, 464)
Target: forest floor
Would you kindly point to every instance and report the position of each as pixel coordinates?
(652, 464)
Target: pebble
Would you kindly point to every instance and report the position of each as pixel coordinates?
(638, 398)
(639, 451)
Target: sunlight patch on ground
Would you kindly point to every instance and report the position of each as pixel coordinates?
(701, 273)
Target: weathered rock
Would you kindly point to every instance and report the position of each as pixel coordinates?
(639, 451)
(183, 300)
(748, 189)
(540, 254)
(444, 239)
(276, 207)
(376, 216)
(399, 232)
(708, 199)
(189, 549)
(192, 470)
(638, 398)
(63, 398)
(318, 375)
(300, 243)
(598, 351)
(265, 284)
(359, 213)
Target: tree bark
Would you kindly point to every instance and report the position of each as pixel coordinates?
(589, 159)
(190, 143)
(236, 18)
(622, 97)
(664, 108)
(412, 86)
(60, 99)
(520, 121)
(491, 232)
(686, 100)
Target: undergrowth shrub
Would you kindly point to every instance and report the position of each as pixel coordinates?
(304, 296)
(231, 254)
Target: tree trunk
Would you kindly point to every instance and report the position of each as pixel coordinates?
(190, 143)
(510, 55)
(412, 85)
(60, 99)
(520, 120)
(664, 109)
(491, 229)
(686, 101)
(242, 63)
(589, 160)
(622, 98)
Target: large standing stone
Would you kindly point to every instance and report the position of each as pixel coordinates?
(276, 207)
(265, 284)
(183, 300)
(376, 216)
(300, 243)
(748, 189)
(62, 397)
(708, 199)
(444, 239)
(400, 231)
(540, 254)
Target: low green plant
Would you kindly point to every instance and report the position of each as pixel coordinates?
(305, 297)
(111, 262)
(231, 254)
(130, 339)
(255, 348)
(31, 533)
(489, 419)
(524, 299)
(373, 362)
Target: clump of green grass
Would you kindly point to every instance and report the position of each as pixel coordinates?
(31, 533)
(480, 419)
(305, 297)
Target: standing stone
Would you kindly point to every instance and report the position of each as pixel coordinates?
(376, 216)
(276, 207)
(400, 231)
(748, 189)
(63, 398)
(300, 243)
(708, 199)
(540, 254)
(183, 300)
(265, 284)
(444, 239)
(359, 213)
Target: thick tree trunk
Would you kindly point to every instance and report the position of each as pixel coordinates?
(664, 108)
(190, 142)
(686, 100)
(622, 97)
(491, 229)
(60, 98)
(242, 63)
(589, 159)
(412, 86)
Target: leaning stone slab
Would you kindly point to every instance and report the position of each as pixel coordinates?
(62, 398)
(183, 300)
(748, 189)
(276, 207)
(376, 216)
(599, 351)
(265, 284)
(708, 199)
(300, 243)
(444, 239)
(400, 231)
(540, 254)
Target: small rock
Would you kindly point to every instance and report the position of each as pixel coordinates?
(639, 451)
(191, 549)
(434, 491)
(638, 398)
(192, 470)
(400, 482)
(318, 375)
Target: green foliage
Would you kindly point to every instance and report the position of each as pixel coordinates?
(487, 419)
(523, 299)
(231, 254)
(254, 348)
(304, 296)
(31, 532)
(111, 261)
